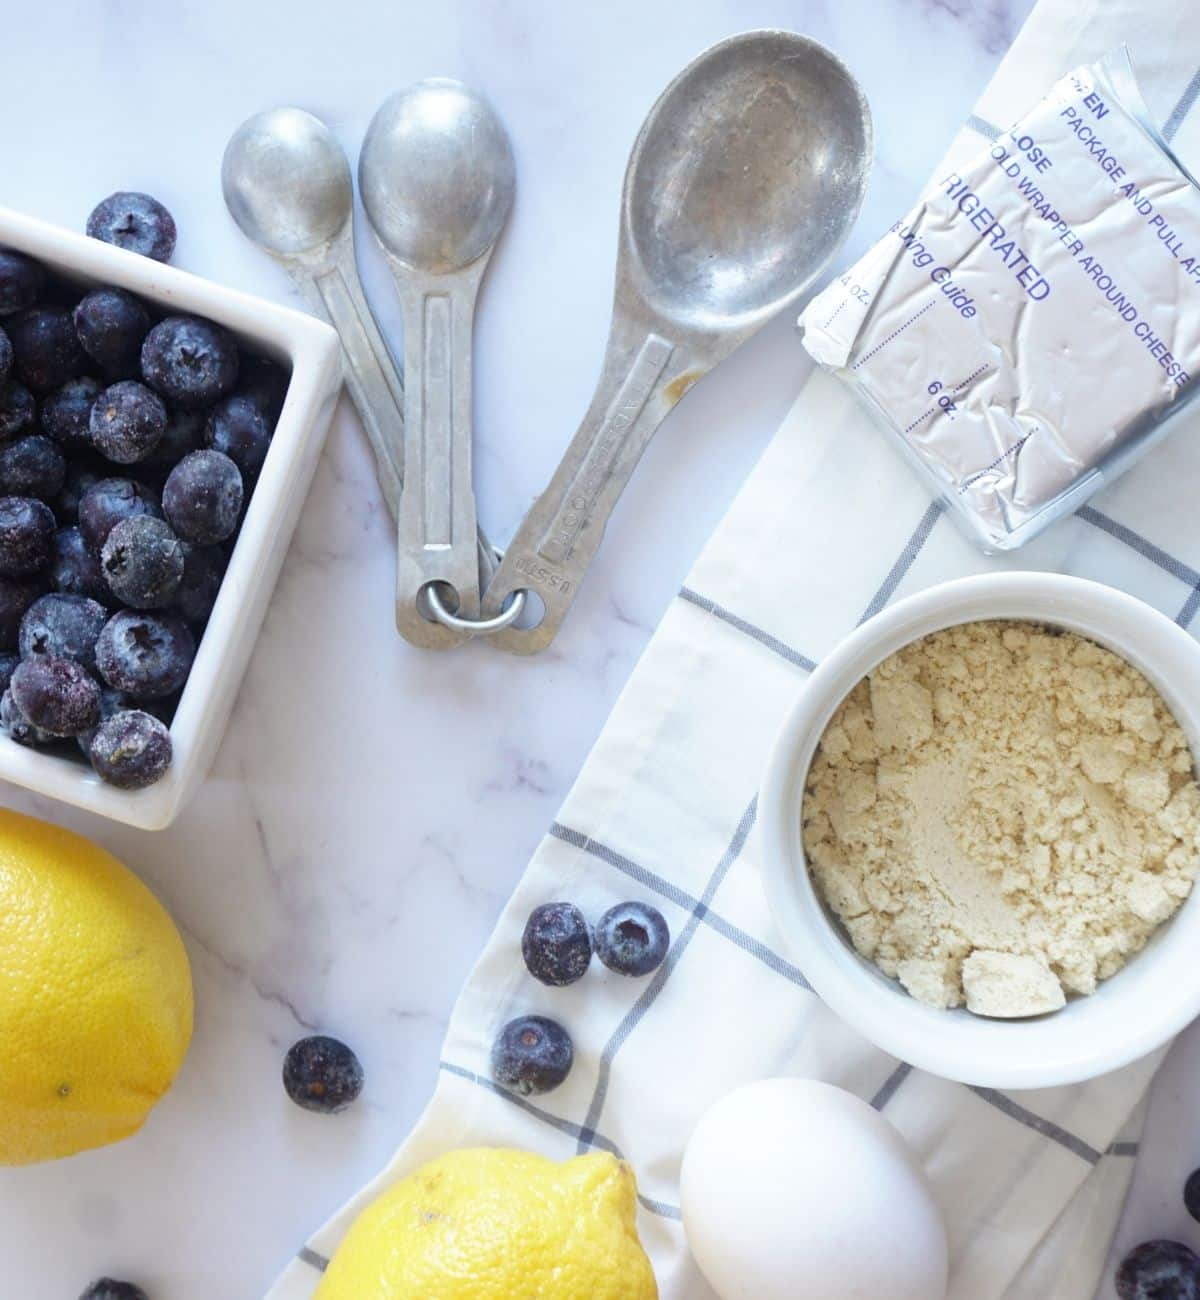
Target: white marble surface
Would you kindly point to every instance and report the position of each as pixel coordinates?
(372, 805)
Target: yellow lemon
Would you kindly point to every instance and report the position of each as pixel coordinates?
(95, 995)
(491, 1224)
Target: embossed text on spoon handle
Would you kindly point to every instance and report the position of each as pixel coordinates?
(371, 376)
(643, 378)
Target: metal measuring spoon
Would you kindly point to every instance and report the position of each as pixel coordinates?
(745, 177)
(287, 184)
(436, 175)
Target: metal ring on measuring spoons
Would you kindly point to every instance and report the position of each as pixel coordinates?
(475, 626)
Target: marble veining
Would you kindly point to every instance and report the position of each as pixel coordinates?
(372, 805)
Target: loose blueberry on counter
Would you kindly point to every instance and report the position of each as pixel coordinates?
(533, 1054)
(26, 536)
(557, 944)
(142, 561)
(632, 938)
(6, 357)
(322, 1074)
(127, 422)
(1159, 1270)
(112, 325)
(67, 413)
(18, 410)
(21, 281)
(107, 502)
(202, 498)
(75, 571)
(238, 428)
(136, 222)
(57, 695)
(147, 655)
(184, 434)
(18, 727)
(32, 467)
(46, 352)
(189, 361)
(63, 625)
(265, 383)
(1191, 1194)
(16, 595)
(106, 1288)
(130, 750)
(203, 569)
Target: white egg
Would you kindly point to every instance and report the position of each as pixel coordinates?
(795, 1190)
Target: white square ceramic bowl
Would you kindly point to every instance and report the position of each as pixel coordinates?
(310, 348)
(1132, 1013)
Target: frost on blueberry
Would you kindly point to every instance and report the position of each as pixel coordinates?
(557, 944)
(532, 1054)
(26, 536)
(1159, 1270)
(107, 502)
(632, 938)
(142, 561)
(322, 1074)
(57, 695)
(75, 570)
(46, 352)
(238, 428)
(64, 625)
(131, 749)
(111, 325)
(148, 655)
(127, 422)
(189, 361)
(32, 467)
(202, 498)
(67, 413)
(134, 221)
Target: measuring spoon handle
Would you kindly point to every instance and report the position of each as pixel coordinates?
(334, 292)
(645, 374)
(437, 523)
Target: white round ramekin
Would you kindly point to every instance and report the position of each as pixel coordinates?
(1129, 1015)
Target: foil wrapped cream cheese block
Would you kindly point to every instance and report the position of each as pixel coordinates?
(1034, 323)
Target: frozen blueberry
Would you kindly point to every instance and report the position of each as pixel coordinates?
(21, 281)
(238, 428)
(6, 357)
(142, 562)
(111, 703)
(16, 595)
(184, 434)
(1191, 1194)
(67, 413)
(81, 475)
(112, 325)
(46, 352)
(26, 536)
(189, 361)
(57, 695)
(75, 570)
(1159, 1270)
(135, 222)
(105, 1288)
(17, 409)
(203, 569)
(63, 625)
(110, 500)
(322, 1074)
(127, 422)
(557, 944)
(131, 749)
(32, 467)
(265, 383)
(532, 1054)
(202, 498)
(148, 655)
(18, 727)
(632, 938)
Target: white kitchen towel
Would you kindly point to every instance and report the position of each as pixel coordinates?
(828, 529)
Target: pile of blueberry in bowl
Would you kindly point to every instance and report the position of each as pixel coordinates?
(130, 443)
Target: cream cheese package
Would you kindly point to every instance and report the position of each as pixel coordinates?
(1033, 325)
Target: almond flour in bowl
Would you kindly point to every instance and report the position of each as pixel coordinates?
(1000, 815)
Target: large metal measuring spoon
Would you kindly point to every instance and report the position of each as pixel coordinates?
(747, 174)
(436, 175)
(287, 185)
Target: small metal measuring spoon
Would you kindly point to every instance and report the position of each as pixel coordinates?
(743, 181)
(436, 175)
(287, 185)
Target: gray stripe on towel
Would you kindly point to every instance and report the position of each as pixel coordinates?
(313, 1259)
(1181, 109)
(891, 1084)
(1046, 1127)
(781, 648)
(908, 556)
